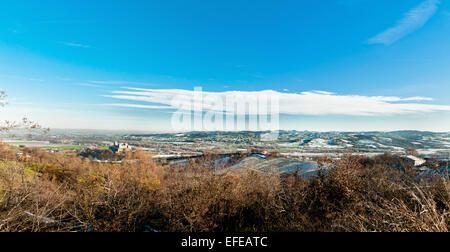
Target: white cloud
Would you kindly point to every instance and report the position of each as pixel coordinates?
(305, 103)
(76, 45)
(413, 20)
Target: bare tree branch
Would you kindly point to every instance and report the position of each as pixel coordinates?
(25, 124)
(3, 96)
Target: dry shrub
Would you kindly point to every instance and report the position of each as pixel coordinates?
(31, 204)
(378, 198)
(53, 192)
(220, 202)
(122, 200)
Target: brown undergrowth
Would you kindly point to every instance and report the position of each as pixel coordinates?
(54, 192)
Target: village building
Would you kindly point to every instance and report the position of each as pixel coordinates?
(413, 160)
(120, 147)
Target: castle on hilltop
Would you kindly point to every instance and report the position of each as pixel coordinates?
(120, 147)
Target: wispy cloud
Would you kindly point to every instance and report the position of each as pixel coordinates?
(115, 82)
(138, 106)
(90, 85)
(412, 21)
(75, 45)
(21, 78)
(305, 103)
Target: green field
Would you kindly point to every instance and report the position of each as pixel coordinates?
(15, 146)
(69, 147)
(72, 147)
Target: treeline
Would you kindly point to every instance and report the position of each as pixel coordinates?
(101, 154)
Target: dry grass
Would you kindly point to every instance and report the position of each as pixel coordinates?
(51, 192)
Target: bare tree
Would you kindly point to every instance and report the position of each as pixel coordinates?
(25, 124)
(3, 97)
(412, 151)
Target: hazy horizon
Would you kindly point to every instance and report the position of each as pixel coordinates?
(128, 131)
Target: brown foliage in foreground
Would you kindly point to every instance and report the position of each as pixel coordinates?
(51, 192)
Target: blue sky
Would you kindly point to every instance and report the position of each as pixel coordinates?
(61, 62)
